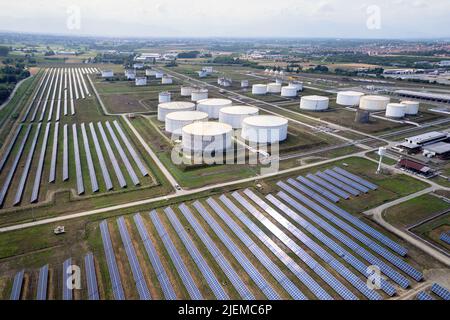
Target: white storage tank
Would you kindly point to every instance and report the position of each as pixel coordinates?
(159, 74)
(259, 89)
(236, 114)
(130, 74)
(374, 103)
(175, 121)
(349, 98)
(395, 110)
(164, 97)
(186, 91)
(412, 107)
(165, 108)
(107, 73)
(279, 81)
(265, 129)
(296, 84)
(274, 88)
(199, 94)
(141, 81)
(213, 106)
(166, 80)
(244, 84)
(150, 73)
(206, 136)
(289, 92)
(314, 103)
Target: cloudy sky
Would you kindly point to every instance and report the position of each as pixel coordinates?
(230, 18)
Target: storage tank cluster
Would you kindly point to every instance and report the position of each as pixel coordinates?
(164, 97)
(166, 80)
(213, 106)
(314, 103)
(264, 129)
(212, 137)
(374, 103)
(395, 110)
(259, 89)
(166, 108)
(175, 121)
(412, 107)
(199, 94)
(349, 98)
(235, 115)
(141, 81)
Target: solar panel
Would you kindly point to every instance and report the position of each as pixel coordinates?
(131, 150)
(347, 181)
(338, 184)
(65, 153)
(84, 84)
(205, 270)
(254, 274)
(75, 83)
(181, 268)
(217, 255)
(27, 166)
(91, 168)
(440, 291)
(123, 155)
(361, 286)
(8, 150)
(422, 295)
(12, 170)
(58, 108)
(163, 278)
(17, 286)
(67, 273)
(101, 159)
(33, 100)
(445, 237)
(91, 277)
(46, 101)
(42, 283)
(71, 91)
(303, 276)
(318, 269)
(355, 178)
(318, 189)
(80, 86)
(40, 99)
(78, 169)
(399, 263)
(52, 101)
(138, 275)
(112, 157)
(329, 186)
(40, 167)
(52, 174)
(66, 111)
(114, 275)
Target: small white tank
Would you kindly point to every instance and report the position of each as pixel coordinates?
(395, 110)
(186, 91)
(289, 92)
(274, 88)
(159, 74)
(244, 84)
(166, 80)
(259, 89)
(296, 84)
(349, 98)
(213, 106)
(150, 72)
(412, 107)
(140, 81)
(175, 121)
(199, 94)
(164, 97)
(165, 108)
(314, 103)
(264, 129)
(236, 114)
(374, 103)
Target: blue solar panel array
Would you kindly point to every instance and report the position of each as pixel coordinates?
(8, 150)
(78, 168)
(445, 237)
(324, 274)
(227, 269)
(318, 189)
(42, 283)
(67, 273)
(40, 167)
(182, 270)
(114, 275)
(163, 278)
(90, 162)
(282, 279)
(206, 271)
(329, 186)
(347, 181)
(91, 277)
(52, 174)
(301, 274)
(355, 178)
(101, 159)
(138, 275)
(422, 295)
(17, 286)
(398, 262)
(254, 274)
(440, 291)
(360, 285)
(338, 184)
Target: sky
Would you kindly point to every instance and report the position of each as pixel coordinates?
(230, 18)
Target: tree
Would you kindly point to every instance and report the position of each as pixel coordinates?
(4, 51)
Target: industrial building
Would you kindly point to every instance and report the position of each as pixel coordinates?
(439, 150)
(417, 143)
(416, 168)
(435, 97)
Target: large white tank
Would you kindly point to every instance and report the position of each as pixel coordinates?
(199, 94)
(186, 91)
(349, 98)
(236, 114)
(164, 97)
(264, 129)
(374, 103)
(314, 103)
(175, 121)
(296, 84)
(165, 108)
(244, 84)
(150, 73)
(289, 92)
(274, 87)
(141, 81)
(213, 106)
(159, 74)
(166, 80)
(206, 136)
(412, 107)
(395, 110)
(259, 89)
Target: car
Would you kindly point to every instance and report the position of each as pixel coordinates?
(178, 187)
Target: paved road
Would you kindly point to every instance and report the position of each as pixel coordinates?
(13, 93)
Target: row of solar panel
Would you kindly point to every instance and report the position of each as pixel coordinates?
(438, 290)
(445, 236)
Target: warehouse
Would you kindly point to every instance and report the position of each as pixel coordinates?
(416, 168)
(436, 97)
(440, 150)
(416, 143)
